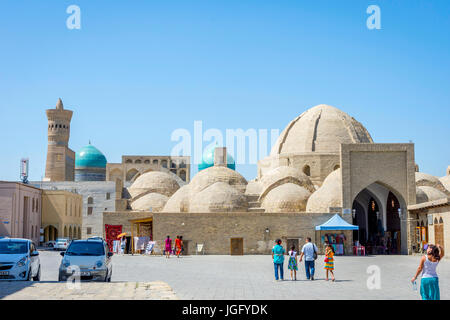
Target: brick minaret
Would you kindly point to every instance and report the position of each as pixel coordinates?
(60, 159)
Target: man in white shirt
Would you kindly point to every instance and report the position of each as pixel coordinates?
(309, 250)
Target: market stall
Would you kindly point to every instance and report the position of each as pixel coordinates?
(141, 235)
(335, 231)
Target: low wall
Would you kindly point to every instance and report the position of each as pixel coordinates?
(215, 230)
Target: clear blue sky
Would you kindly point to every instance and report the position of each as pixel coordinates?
(137, 70)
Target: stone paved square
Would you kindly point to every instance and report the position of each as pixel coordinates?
(232, 277)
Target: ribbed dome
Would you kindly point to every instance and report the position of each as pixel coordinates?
(288, 197)
(153, 202)
(320, 129)
(285, 174)
(154, 181)
(208, 159)
(425, 194)
(219, 197)
(328, 195)
(214, 174)
(427, 180)
(179, 201)
(445, 182)
(90, 157)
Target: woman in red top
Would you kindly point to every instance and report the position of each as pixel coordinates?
(178, 246)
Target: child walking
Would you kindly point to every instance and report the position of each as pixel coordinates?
(293, 263)
(329, 261)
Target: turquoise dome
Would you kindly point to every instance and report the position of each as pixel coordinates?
(90, 157)
(208, 159)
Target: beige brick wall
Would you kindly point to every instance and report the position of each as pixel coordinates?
(216, 230)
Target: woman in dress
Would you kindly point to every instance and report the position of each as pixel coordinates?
(293, 263)
(429, 285)
(178, 246)
(168, 246)
(329, 261)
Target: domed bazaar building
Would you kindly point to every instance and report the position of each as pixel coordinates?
(324, 163)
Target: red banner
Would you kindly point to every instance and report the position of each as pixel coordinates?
(111, 234)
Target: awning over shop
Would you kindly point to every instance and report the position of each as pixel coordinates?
(337, 223)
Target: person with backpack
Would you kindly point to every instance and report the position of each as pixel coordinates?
(309, 251)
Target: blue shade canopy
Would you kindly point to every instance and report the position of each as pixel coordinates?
(90, 157)
(208, 159)
(337, 223)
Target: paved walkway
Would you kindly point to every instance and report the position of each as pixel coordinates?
(241, 278)
(86, 291)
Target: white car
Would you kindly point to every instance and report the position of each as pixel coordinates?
(88, 259)
(19, 260)
(61, 244)
(50, 244)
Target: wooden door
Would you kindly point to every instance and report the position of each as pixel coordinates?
(185, 248)
(237, 246)
(439, 234)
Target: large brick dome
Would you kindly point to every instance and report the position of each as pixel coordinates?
(320, 129)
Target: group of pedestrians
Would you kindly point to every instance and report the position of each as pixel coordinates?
(309, 253)
(429, 284)
(176, 249)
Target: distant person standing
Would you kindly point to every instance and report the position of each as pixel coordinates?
(168, 246)
(278, 259)
(429, 285)
(123, 245)
(182, 245)
(309, 251)
(178, 246)
(329, 261)
(293, 263)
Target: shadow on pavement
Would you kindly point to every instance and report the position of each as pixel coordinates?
(9, 287)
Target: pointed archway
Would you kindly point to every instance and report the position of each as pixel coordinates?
(376, 212)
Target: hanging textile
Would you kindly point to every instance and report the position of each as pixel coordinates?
(111, 234)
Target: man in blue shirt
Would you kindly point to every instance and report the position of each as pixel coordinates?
(309, 250)
(278, 259)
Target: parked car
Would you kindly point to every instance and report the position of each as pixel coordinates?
(50, 244)
(95, 238)
(90, 257)
(61, 244)
(19, 260)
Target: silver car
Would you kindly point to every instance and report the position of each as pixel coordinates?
(19, 260)
(90, 260)
(61, 244)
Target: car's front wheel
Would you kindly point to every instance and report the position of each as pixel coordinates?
(29, 275)
(38, 275)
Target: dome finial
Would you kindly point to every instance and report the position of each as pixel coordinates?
(59, 104)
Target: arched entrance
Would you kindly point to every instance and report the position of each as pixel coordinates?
(393, 224)
(50, 233)
(376, 212)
